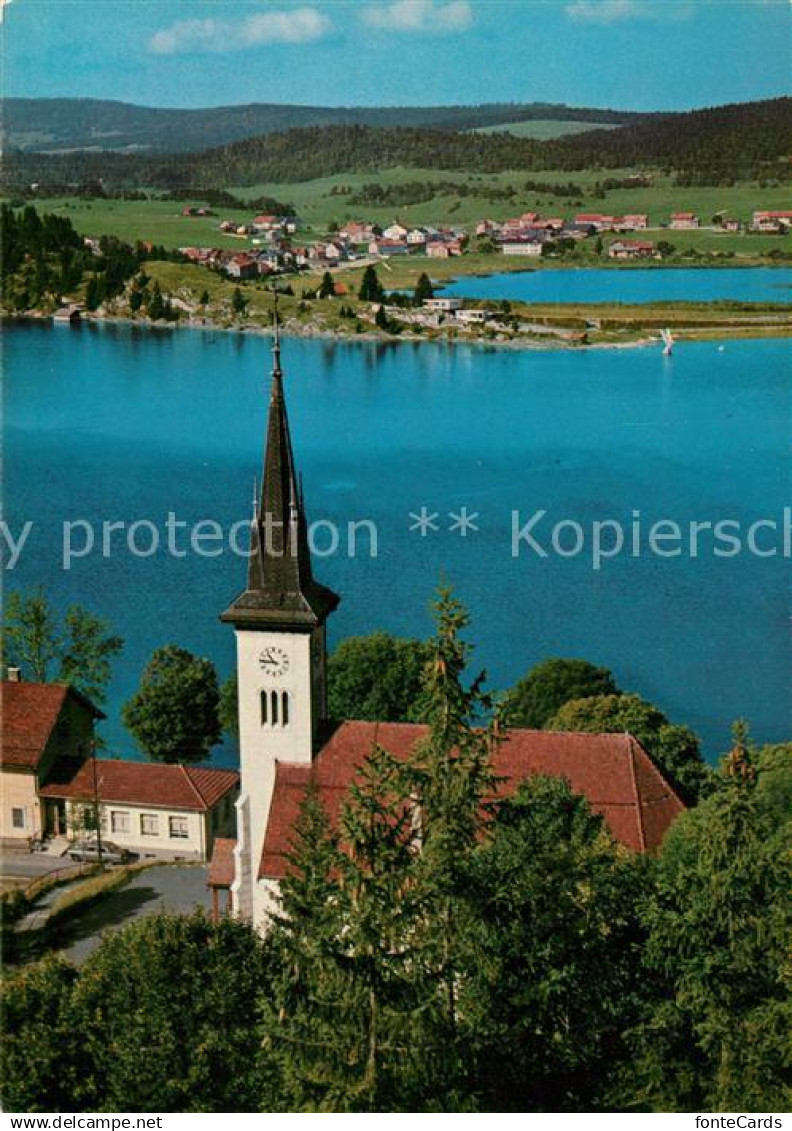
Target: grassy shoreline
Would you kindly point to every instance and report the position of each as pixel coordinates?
(626, 328)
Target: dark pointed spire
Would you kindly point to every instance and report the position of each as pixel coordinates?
(280, 589)
(276, 349)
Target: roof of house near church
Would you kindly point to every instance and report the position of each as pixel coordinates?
(221, 869)
(612, 771)
(158, 785)
(29, 713)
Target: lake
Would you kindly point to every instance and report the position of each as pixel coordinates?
(119, 424)
(633, 284)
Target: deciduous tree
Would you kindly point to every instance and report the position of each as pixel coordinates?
(553, 969)
(43, 1059)
(378, 677)
(166, 1011)
(77, 650)
(174, 714)
(228, 705)
(535, 698)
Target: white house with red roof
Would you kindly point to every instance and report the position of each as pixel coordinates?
(149, 808)
(42, 724)
(53, 787)
(631, 249)
(776, 221)
(683, 221)
(287, 743)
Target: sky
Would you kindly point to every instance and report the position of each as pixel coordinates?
(626, 54)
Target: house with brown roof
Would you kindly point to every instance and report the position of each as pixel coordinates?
(682, 221)
(778, 221)
(632, 222)
(150, 808)
(279, 620)
(242, 266)
(53, 787)
(631, 249)
(42, 724)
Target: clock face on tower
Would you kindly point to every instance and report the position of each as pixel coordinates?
(273, 661)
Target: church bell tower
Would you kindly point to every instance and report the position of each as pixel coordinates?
(279, 622)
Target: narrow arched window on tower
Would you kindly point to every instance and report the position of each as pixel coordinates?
(285, 708)
(274, 706)
(264, 708)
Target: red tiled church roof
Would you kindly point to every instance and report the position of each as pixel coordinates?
(221, 869)
(613, 772)
(157, 785)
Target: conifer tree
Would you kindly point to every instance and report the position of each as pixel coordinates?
(453, 779)
(719, 927)
(238, 301)
(423, 289)
(94, 292)
(156, 306)
(343, 1023)
(371, 289)
(327, 286)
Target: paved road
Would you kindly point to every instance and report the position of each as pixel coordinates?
(18, 868)
(173, 887)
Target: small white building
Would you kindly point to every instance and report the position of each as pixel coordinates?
(387, 247)
(633, 222)
(147, 807)
(683, 221)
(529, 247)
(473, 316)
(768, 221)
(631, 249)
(444, 304)
(396, 232)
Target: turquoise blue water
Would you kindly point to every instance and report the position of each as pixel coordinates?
(637, 284)
(119, 424)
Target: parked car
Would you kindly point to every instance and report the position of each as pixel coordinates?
(88, 851)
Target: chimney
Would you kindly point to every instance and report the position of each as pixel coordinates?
(14, 675)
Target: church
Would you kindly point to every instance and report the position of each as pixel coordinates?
(287, 741)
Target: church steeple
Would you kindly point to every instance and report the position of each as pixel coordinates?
(281, 590)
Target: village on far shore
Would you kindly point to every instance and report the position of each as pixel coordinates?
(323, 283)
(274, 249)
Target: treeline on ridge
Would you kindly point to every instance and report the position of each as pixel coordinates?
(714, 146)
(51, 124)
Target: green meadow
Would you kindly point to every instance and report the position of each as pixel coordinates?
(320, 203)
(544, 128)
(317, 203)
(159, 221)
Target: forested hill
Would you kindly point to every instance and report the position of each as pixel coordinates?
(51, 124)
(711, 146)
(727, 137)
